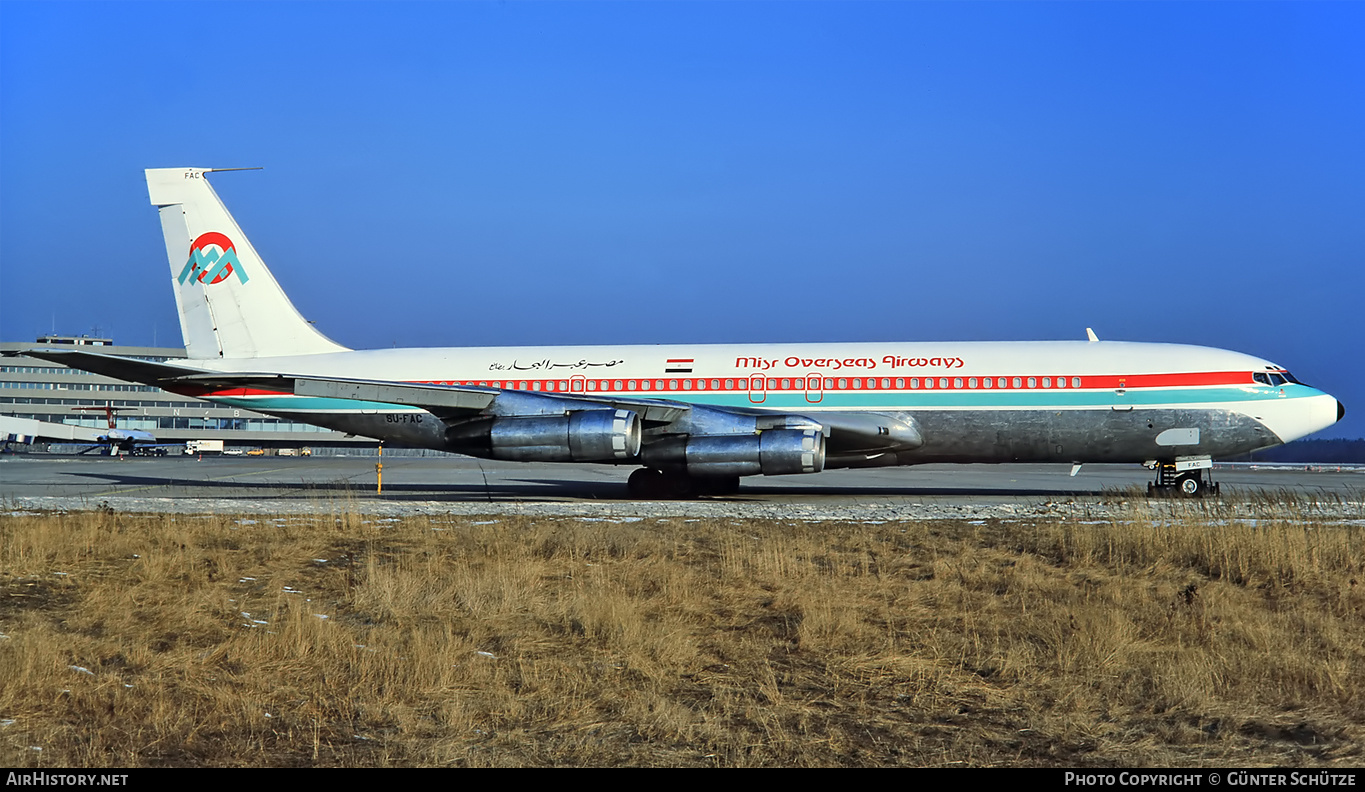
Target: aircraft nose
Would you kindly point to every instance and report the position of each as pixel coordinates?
(1341, 410)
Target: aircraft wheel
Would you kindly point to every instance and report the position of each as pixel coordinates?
(723, 485)
(647, 483)
(651, 483)
(1191, 485)
(679, 485)
(654, 484)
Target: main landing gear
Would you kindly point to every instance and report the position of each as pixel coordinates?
(1172, 482)
(652, 483)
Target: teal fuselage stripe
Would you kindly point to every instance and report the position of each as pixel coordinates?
(311, 404)
(864, 400)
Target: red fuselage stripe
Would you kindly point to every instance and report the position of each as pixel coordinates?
(733, 383)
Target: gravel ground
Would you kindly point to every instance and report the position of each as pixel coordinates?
(1336, 510)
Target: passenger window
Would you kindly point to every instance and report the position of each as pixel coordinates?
(914, 383)
(957, 382)
(829, 384)
(1075, 382)
(1047, 382)
(971, 382)
(986, 382)
(928, 382)
(1033, 382)
(943, 382)
(1018, 382)
(900, 383)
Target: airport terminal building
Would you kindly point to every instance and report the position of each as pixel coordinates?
(43, 391)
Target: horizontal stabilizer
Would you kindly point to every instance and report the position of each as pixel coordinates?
(127, 369)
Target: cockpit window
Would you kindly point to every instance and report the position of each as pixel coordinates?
(1290, 377)
(1261, 378)
(1277, 379)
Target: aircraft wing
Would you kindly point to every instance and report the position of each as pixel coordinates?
(440, 400)
(857, 433)
(46, 430)
(847, 432)
(444, 401)
(447, 402)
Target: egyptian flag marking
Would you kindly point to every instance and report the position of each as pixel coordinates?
(679, 366)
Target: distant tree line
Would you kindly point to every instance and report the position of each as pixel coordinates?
(1310, 451)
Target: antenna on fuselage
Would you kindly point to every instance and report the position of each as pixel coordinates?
(1090, 334)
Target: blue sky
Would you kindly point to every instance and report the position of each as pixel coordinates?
(566, 173)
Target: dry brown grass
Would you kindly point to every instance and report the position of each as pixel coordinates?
(1180, 639)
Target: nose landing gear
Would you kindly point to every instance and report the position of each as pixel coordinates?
(1172, 481)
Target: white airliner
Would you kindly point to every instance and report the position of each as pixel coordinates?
(120, 440)
(697, 418)
(112, 441)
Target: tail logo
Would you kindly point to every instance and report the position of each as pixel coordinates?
(212, 259)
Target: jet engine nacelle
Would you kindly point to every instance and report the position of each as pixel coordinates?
(581, 436)
(773, 452)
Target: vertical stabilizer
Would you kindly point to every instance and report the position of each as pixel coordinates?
(230, 305)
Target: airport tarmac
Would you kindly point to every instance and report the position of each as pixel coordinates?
(473, 486)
